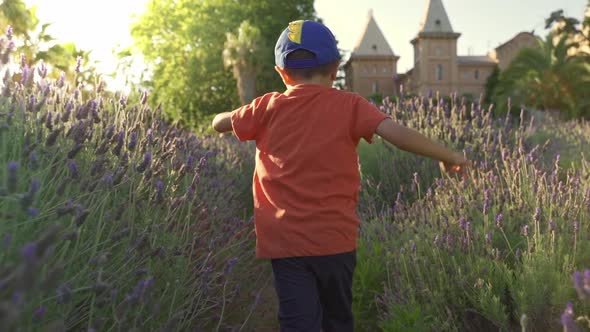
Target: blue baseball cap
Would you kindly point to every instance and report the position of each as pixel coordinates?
(310, 36)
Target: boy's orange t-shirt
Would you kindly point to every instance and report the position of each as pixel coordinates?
(306, 180)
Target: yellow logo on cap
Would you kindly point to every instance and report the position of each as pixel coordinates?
(295, 31)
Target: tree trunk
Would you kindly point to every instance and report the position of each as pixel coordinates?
(246, 79)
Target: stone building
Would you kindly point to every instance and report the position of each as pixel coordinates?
(505, 53)
(372, 66)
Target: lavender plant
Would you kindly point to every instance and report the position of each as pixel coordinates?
(113, 219)
(493, 252)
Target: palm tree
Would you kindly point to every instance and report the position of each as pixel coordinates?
(547, 78)
(242, 52)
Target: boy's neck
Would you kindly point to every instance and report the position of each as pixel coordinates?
(316, 80)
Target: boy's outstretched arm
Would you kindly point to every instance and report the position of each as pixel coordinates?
(412, 141)
(222, 122)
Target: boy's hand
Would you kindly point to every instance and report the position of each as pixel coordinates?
(458, 166)
(222, 122)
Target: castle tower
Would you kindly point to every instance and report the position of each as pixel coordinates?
(372, 65)
(435, 53)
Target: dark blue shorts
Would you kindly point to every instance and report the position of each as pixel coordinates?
(315, 292)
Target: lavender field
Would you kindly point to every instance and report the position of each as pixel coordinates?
(112, 219)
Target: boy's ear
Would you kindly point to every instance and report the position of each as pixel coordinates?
(334, 73)
(284, 76)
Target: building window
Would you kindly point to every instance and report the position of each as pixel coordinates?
(476, 74)
(374, 69)
(439, 72)
(438, 51)
(384, 70)
(376, 87)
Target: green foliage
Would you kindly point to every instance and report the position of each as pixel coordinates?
(491, 84)
(183, 42)
(547, 78)
(570, 27)
(16, 14)
(243, 53)
(40, 49)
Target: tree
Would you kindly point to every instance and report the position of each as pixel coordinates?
(182, 41)
(16, 14)
(547, 78)
(577, 32)
(243, 54)
(39, 48)
(491, 84)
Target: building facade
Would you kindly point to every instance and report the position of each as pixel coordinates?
(372, 66)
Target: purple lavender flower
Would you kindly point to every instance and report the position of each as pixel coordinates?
(107, 179)
(437, 241)
(499, 218)
(64, 293)
(25, 75)
(61, 80)
(33, 160)
(73, 167)
(108, 134)
(29, 251)
(42, 69)
(525, 230)
(150, 136)
(461, 202)
(159, 190)
(33, 212)
(587, 282)
(38, 314)
(229, 266)
(505, 154)
(568, 320)
(120, 143)
(551, 226)
(132, 141)
(488, 238)
(12, 181)
(537, 215)
(190, 191)
(145, 163)
(78, 64)
(9, 32)
(144, 97)
(487, 201)
(17, 297)
(579, 284)
(462, 222)
(190, 161)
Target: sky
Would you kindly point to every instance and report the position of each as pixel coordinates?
(101, 26)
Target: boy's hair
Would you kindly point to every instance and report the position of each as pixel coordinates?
(308, 73)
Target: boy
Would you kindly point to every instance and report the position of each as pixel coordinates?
(306, 180)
